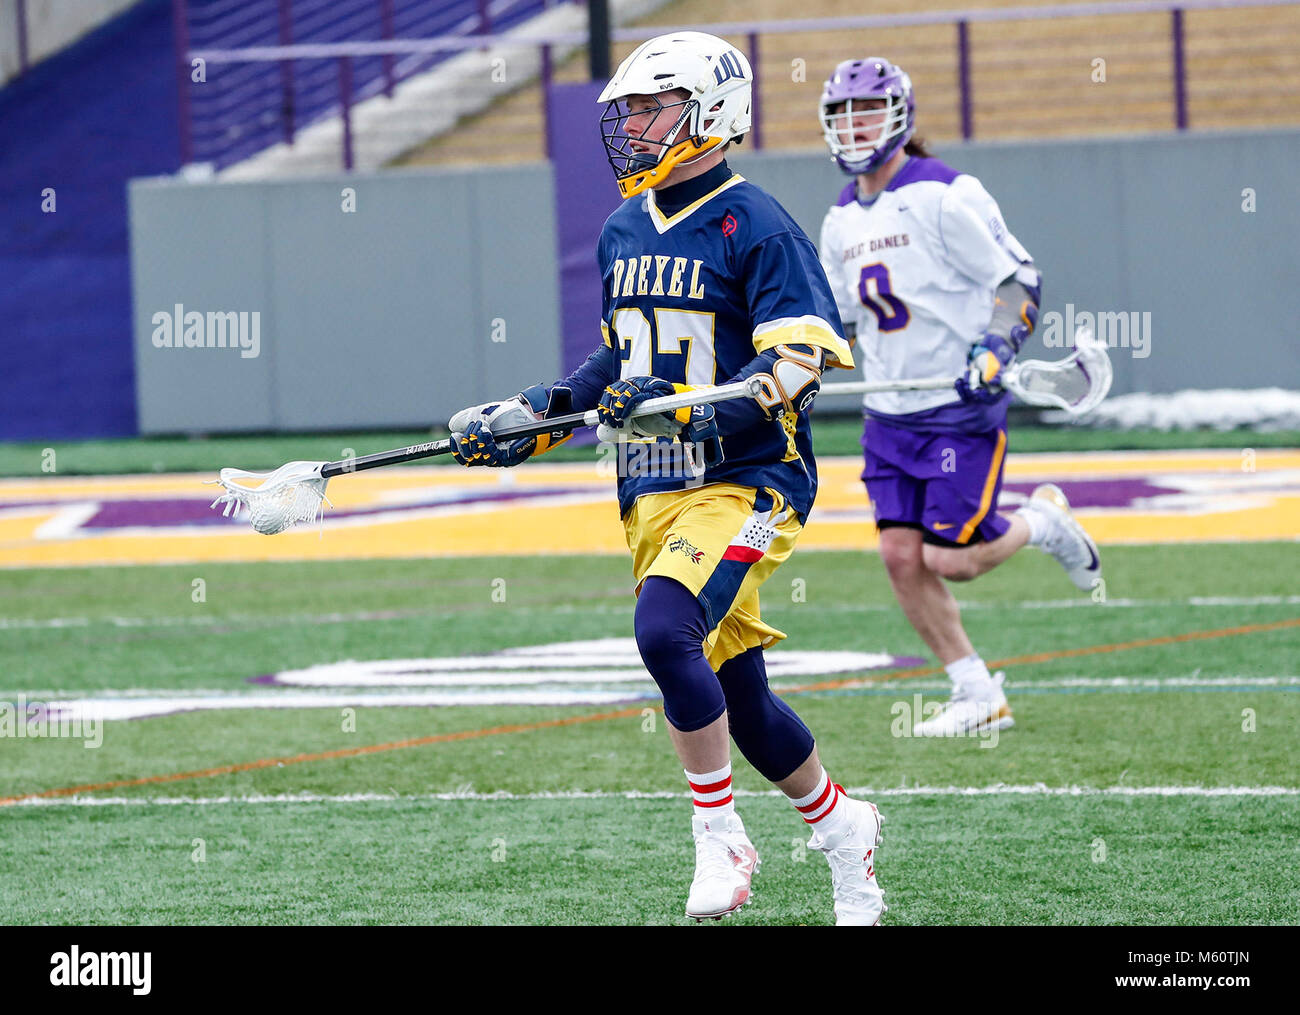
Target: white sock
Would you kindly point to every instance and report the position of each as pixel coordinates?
(1037, 525)
(968, 670)
(712, 793)
(823, 808)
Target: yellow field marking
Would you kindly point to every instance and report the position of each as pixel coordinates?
(585, 520)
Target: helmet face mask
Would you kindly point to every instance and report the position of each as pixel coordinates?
(869, 97)
(709, 83)
(621, 145)
(881, 121)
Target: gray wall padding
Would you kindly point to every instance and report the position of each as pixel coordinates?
(384, 317)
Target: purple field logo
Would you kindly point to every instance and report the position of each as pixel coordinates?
(151, 516)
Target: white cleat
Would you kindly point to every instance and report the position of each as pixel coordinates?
(725, 863)
(1066, 539)
(859, 901)
(969, 712)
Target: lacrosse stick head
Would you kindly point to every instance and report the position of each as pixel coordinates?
(274, 501)
(1076, 384)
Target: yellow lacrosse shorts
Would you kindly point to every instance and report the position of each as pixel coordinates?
(721, 541)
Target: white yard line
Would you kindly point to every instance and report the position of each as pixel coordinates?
(1076, 680)
(257, 695)
(363, 616)
(999, 789)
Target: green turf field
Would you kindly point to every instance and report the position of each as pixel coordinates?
(835, 435)
(1093, 809)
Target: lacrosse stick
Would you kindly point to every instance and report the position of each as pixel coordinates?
(1076, 384)
(293, 493)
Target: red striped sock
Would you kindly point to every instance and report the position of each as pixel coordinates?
(712, 792)
(821, 808)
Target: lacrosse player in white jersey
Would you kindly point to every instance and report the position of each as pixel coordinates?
(929, 280)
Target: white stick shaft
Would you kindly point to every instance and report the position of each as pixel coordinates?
(700, 396)
(874, 387)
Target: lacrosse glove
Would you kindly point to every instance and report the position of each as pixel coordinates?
(472, 442)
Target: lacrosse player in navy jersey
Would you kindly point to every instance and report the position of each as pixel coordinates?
(707, 280)
(929, 280)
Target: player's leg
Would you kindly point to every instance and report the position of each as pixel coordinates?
(1044, 522)
(929, 605)
(670, 629)
(927, 602)
(897, 464)
(964, 563)
(677, 547)
(768, 731)
(925, 488)
(780, 746)
(1053, 528)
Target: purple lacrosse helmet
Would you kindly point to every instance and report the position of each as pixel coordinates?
(847, 108)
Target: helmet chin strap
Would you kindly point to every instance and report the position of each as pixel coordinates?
(691, 162)
(677, 155)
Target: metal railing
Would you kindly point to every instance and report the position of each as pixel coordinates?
(972, 50)
(258, 102)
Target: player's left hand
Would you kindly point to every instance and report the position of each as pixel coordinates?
(476, 446)
(623, 396)
(472, 440)
(982, 382)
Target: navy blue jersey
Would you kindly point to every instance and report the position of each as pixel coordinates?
(695, 297)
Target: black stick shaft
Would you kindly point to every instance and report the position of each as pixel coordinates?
(557, 427)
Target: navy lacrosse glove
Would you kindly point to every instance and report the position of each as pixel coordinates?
(472, 442)
(623, 396)
(477, 446)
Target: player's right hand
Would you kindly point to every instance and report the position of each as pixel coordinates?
(702, 432)
(982, 382)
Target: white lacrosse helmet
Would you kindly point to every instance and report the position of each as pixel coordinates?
(720, 81)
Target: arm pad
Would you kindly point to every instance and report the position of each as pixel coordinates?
(1015, 307)
(792, 380)
(791, 376)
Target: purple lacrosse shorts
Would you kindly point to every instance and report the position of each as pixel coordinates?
(944, 483)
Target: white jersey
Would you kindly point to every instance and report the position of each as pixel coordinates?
(916, 271)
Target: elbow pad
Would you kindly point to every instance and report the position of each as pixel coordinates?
(1015, 307)
(793, 378)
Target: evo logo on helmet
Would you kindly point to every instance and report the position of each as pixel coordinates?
(75, 968)
(728, 67)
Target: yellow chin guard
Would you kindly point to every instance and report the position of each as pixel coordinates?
(643, 179)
